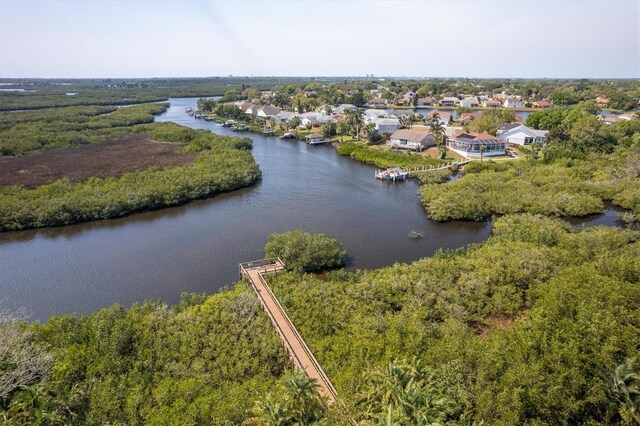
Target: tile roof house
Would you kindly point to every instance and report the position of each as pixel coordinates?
(416, 140)
(424, 101)
(444, 117)
(469, 102)
(542, 104)
(449, 101)
(378, 102)
(493, 103)
(477, 144)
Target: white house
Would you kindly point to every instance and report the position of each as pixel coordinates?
(268, 111)
(313, 119)
(371, 114)
(386, 125)
(470, 103)
(284, 116)
(416, 140)
(523, 135)
(343, 108)
(513, 102)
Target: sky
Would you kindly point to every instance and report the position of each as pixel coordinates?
(473, 38)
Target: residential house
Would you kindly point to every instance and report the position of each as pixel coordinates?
(467, 117)
(386, 125)
(416, 140)
(470, 103)
(313, 119)
(423, 102)
(449, 101)
(408, 97)
(542, 104)
(266, 94)
(268, 111)
(493, 103)
(343, 108)
(507, 127)
(523, 135)
(602, 101)
(284, 116)
(609, 119)
(443, 117)
(477, 144)
(378, 102)
(513, 102)
(371, 114)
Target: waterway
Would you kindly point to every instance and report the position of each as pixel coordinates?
(197, 247)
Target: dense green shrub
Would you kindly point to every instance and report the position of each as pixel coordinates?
(302, 251)
(224, 164)
(526, 328)
(385, 158)
(565, 188)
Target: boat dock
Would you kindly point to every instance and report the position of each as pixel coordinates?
(291, 338)
(398, 173)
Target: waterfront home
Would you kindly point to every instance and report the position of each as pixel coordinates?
(267, 111)
(513, 102)
(386, 125)
(423, 102)
(244, 106)
(313, 119)
(443, 117)
(467, 117)
(266, 94)
(371, 114)
(470, 103)
(506, 127)
(523, 135)
(408, 96)
(343, 108)
(492, 103)
(378, 102)
(416, 140)
(449, 101)
(609, 119)
(542, 104)
(476, 145)
(602, 101)
(284, 116)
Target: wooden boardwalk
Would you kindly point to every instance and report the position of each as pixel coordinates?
(293, 342)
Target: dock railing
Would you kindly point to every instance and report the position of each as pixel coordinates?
(271, 265)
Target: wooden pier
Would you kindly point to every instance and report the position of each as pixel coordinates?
(293, 342)
(398, 173)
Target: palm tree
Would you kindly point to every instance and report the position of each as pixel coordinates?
(437, 129)
(354, 117)
(624, 388)
(483, 148)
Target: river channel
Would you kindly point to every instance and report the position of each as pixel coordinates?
(197, 247)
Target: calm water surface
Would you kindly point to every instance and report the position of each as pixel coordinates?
(197, 247)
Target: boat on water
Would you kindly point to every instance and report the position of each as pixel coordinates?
(189, 111)
(267, 131)
(241, 128)
(393, 174)
(288, 135)
(228, 123)
(416, 234)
